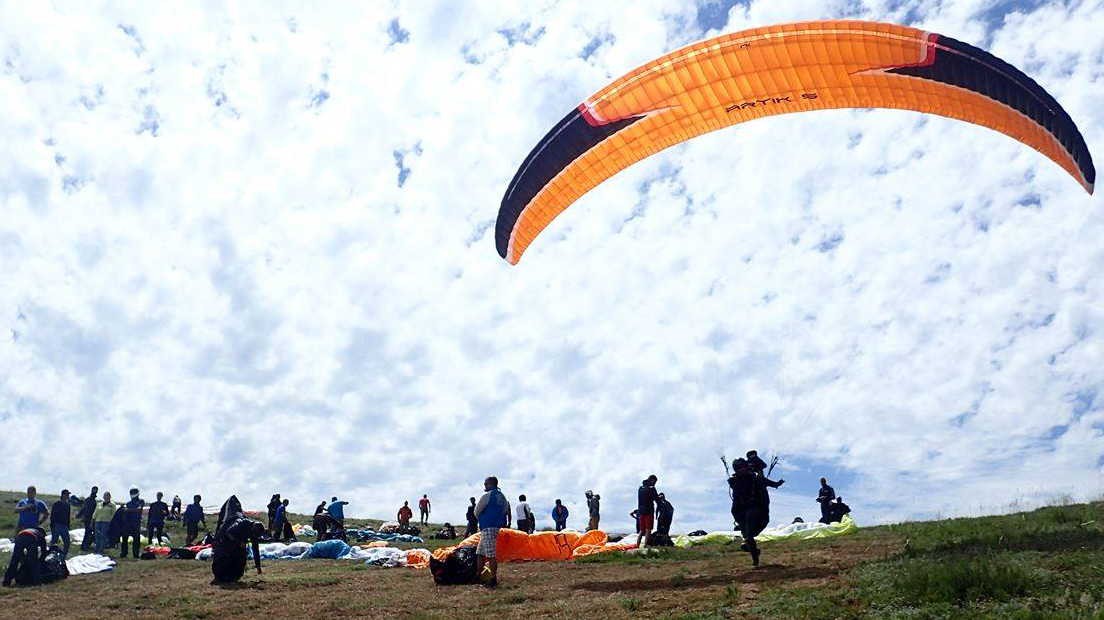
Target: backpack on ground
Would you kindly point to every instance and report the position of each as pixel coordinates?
(456, 569)
(53, 567)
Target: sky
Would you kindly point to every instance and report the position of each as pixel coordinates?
(250, 249)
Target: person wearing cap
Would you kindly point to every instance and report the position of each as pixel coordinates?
(754, 462)
(132, 526)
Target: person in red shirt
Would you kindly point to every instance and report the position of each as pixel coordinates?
(405, 514)
(423, 508)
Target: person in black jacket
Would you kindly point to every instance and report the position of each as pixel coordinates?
(273, 505)
(750, 504)
(473, 523)
(824, 498)
(234, 531)
(838, 509)
(646, 498)
(155, 520)
(665, 513)
(59, 522)
(25, 566)
(85, 516)
(754, 462)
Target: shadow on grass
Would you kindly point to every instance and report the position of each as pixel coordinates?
(764, 574)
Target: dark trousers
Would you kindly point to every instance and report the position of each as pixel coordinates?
(753, 521)
(89, 535)
(24, 566)
(663, 526)
(473, 527)
(60, 532)
(561, 525)
(825, 512)
(192, 532)
(155, 528)
(228, 562)
(425, 516)
(136, 541)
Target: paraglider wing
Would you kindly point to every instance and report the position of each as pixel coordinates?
(773, 70)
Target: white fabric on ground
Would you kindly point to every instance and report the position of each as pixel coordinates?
(89, 563)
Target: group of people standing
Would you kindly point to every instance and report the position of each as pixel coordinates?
(105, 522)
(653, 511)
(527, 521)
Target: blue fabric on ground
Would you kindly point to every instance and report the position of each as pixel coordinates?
(367, 535)
(328, 549)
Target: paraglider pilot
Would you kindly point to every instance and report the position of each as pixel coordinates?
(234, 530)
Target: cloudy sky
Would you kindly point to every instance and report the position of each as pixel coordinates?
(251, 249)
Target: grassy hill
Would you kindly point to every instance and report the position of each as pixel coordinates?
(1048, 563)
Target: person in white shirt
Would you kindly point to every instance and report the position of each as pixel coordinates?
(526, 522)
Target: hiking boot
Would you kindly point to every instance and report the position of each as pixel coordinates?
(744, 547)
(755, 557)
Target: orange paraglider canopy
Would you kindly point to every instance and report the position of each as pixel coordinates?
(773, 70)
(516, 546)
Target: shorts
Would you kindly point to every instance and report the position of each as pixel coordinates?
(488, 542)
(645, 523)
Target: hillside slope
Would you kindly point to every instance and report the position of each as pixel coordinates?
(1047, 563)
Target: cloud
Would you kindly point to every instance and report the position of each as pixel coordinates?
(252, 251)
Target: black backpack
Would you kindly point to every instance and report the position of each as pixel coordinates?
(457, 569)
(655, 539)
(53, 567)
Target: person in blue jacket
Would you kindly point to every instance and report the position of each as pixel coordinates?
(493, 513)
(193, 516)
(281, 528)
(559, 516)
(336, 510)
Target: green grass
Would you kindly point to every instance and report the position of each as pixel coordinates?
(1048, 563)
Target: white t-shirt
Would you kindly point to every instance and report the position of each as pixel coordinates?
(522, 511)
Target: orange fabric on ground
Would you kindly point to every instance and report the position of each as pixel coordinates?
(517, 546)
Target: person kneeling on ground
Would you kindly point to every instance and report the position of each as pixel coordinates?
(228, 553)
(25, 565)
(837, 510)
